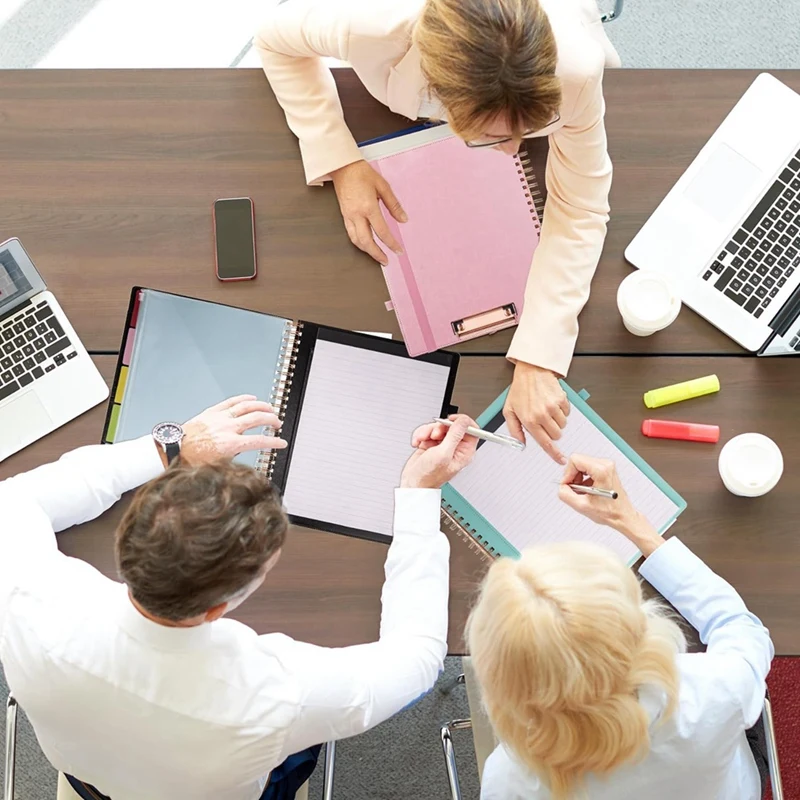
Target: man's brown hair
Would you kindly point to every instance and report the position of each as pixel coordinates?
(483, 58)
(197, 536)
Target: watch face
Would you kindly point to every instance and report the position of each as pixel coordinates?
(168, 433)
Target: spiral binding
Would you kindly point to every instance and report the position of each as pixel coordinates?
(281, 387)
(531, 187)
(456, 523)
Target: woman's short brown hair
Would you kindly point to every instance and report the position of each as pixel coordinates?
(194, 537)
(483, 58)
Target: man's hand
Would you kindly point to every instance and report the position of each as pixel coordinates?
(537, 403)
(441, 453)
(218, 432)
(359, 188)
(619, 514)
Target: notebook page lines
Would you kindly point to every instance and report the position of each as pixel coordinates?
(517, 492)
(354, 433)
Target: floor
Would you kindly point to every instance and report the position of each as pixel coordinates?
(401, 759)
(207, 33)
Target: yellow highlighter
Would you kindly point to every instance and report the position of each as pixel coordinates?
(681, 391)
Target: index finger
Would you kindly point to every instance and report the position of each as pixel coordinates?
(431, 430)
(547, 444)
(367, 243)
(580, 502)
(593, 467)
(383, 233)
(572, 473)
(257, 419)
(231, 401)
(261, 442)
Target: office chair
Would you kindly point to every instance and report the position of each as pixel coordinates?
(615, 13)
(66, 792)
(485, 742)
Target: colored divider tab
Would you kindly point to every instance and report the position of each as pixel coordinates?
(112, 424)
(123, 379)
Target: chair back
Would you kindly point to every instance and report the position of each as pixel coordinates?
(11, 747)
(616, 13)
(482, 732)
(772, 751)
(485, 740)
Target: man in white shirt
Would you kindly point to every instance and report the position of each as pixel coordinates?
(144, 691)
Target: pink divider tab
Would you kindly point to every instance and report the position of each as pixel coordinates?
(135, 312)
(126, 356)
(389, 305)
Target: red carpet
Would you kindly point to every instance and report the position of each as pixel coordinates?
(784, 690)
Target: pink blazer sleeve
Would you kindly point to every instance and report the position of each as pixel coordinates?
(578, 179)
(292, 43)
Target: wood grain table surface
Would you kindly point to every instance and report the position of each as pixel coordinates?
(753, 543)
(109, 178)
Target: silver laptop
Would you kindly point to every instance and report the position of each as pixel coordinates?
(46, 376)
(729, 230)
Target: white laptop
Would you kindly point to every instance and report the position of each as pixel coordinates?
(46, 376)
(728, 233)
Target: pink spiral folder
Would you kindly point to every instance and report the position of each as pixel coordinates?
(472, 229)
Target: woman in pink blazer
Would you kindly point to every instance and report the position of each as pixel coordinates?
(498, 71)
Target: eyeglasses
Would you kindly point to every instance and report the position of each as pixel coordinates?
(504, 139)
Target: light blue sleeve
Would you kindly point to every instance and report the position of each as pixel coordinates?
(736, 638)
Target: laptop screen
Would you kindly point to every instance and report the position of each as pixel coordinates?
(13, 283)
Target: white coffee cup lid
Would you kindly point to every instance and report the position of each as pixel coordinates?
(649, 298)
(752, 462)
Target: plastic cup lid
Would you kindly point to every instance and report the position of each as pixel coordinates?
(647, 297)
(752, 460)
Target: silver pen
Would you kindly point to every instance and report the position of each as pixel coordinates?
(580, 489)
(487, 436)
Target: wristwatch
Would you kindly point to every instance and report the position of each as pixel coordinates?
(168, 436)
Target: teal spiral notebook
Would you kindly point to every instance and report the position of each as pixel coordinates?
(507, 500)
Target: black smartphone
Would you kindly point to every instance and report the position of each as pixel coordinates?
(235, 239)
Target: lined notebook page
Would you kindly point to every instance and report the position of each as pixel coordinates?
(354, 433)
(517, 491)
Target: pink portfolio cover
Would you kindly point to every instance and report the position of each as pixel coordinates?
(467, 246)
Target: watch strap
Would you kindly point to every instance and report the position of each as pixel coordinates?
(172, 451)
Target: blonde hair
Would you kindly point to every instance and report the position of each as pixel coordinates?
(483, 58)
(561, 641)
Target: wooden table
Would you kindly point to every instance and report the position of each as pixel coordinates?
(753, 543)
(108, 178)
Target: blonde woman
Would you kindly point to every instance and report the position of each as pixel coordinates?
(498, 71)
(588, 687)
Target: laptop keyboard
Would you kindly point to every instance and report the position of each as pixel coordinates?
(765, 251)
(32, 343)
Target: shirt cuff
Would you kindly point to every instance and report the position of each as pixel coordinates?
(667, 567)
(551, 350)
(139, 460)
(417, 511)
(320, 159)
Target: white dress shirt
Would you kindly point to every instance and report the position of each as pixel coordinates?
(147, 712)
(700, 753)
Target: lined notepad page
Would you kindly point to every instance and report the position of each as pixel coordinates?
(517, 491)
(353, 438)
